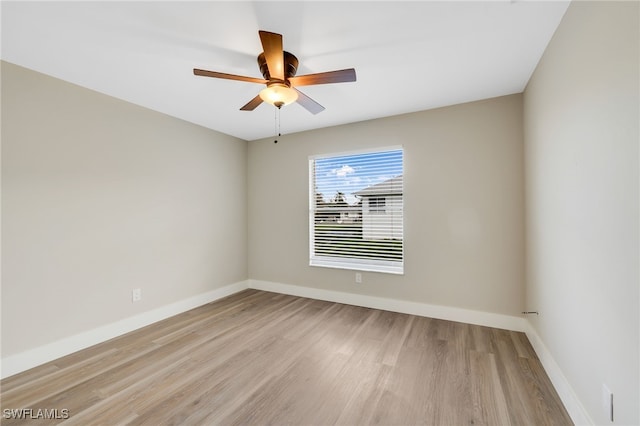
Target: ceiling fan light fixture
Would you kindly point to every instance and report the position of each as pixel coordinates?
(278, 94)
(279, 67)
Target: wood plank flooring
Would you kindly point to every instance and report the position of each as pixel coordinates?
(263, 358)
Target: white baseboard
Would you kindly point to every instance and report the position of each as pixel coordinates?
(487, 319)
(17, 363)
(574, 407)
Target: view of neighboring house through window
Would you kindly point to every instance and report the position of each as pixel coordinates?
(356, 210)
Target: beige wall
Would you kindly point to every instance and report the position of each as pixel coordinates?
(581, 135)
(99, 197)
(464, 206)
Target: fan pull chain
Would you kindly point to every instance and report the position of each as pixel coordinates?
(276, 124)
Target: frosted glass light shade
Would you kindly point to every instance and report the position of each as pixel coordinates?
(278, 94)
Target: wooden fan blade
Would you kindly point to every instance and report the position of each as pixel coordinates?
(309, 104)
(273, 53)
(205, 73)
(252, 104)
(340, 76)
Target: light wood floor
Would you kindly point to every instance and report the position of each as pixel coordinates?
(265, 358)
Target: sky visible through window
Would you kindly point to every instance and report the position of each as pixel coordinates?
(352, 173)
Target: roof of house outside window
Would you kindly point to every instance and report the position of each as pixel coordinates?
(391, 186)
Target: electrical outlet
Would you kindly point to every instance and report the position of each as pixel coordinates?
(607, 402)
(136, 295)
(358, 278)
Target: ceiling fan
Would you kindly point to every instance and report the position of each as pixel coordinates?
(279, 70)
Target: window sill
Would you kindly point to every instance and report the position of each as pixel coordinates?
(386, 267)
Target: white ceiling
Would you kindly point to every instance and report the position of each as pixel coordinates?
(408, 56)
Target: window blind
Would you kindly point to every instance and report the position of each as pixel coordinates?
(356, 210)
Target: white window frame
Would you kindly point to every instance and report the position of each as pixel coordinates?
(358, 264)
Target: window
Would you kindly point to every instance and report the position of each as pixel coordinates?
(376, 205)
(356, 210)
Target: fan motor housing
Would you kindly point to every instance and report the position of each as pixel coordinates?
(290, 65)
